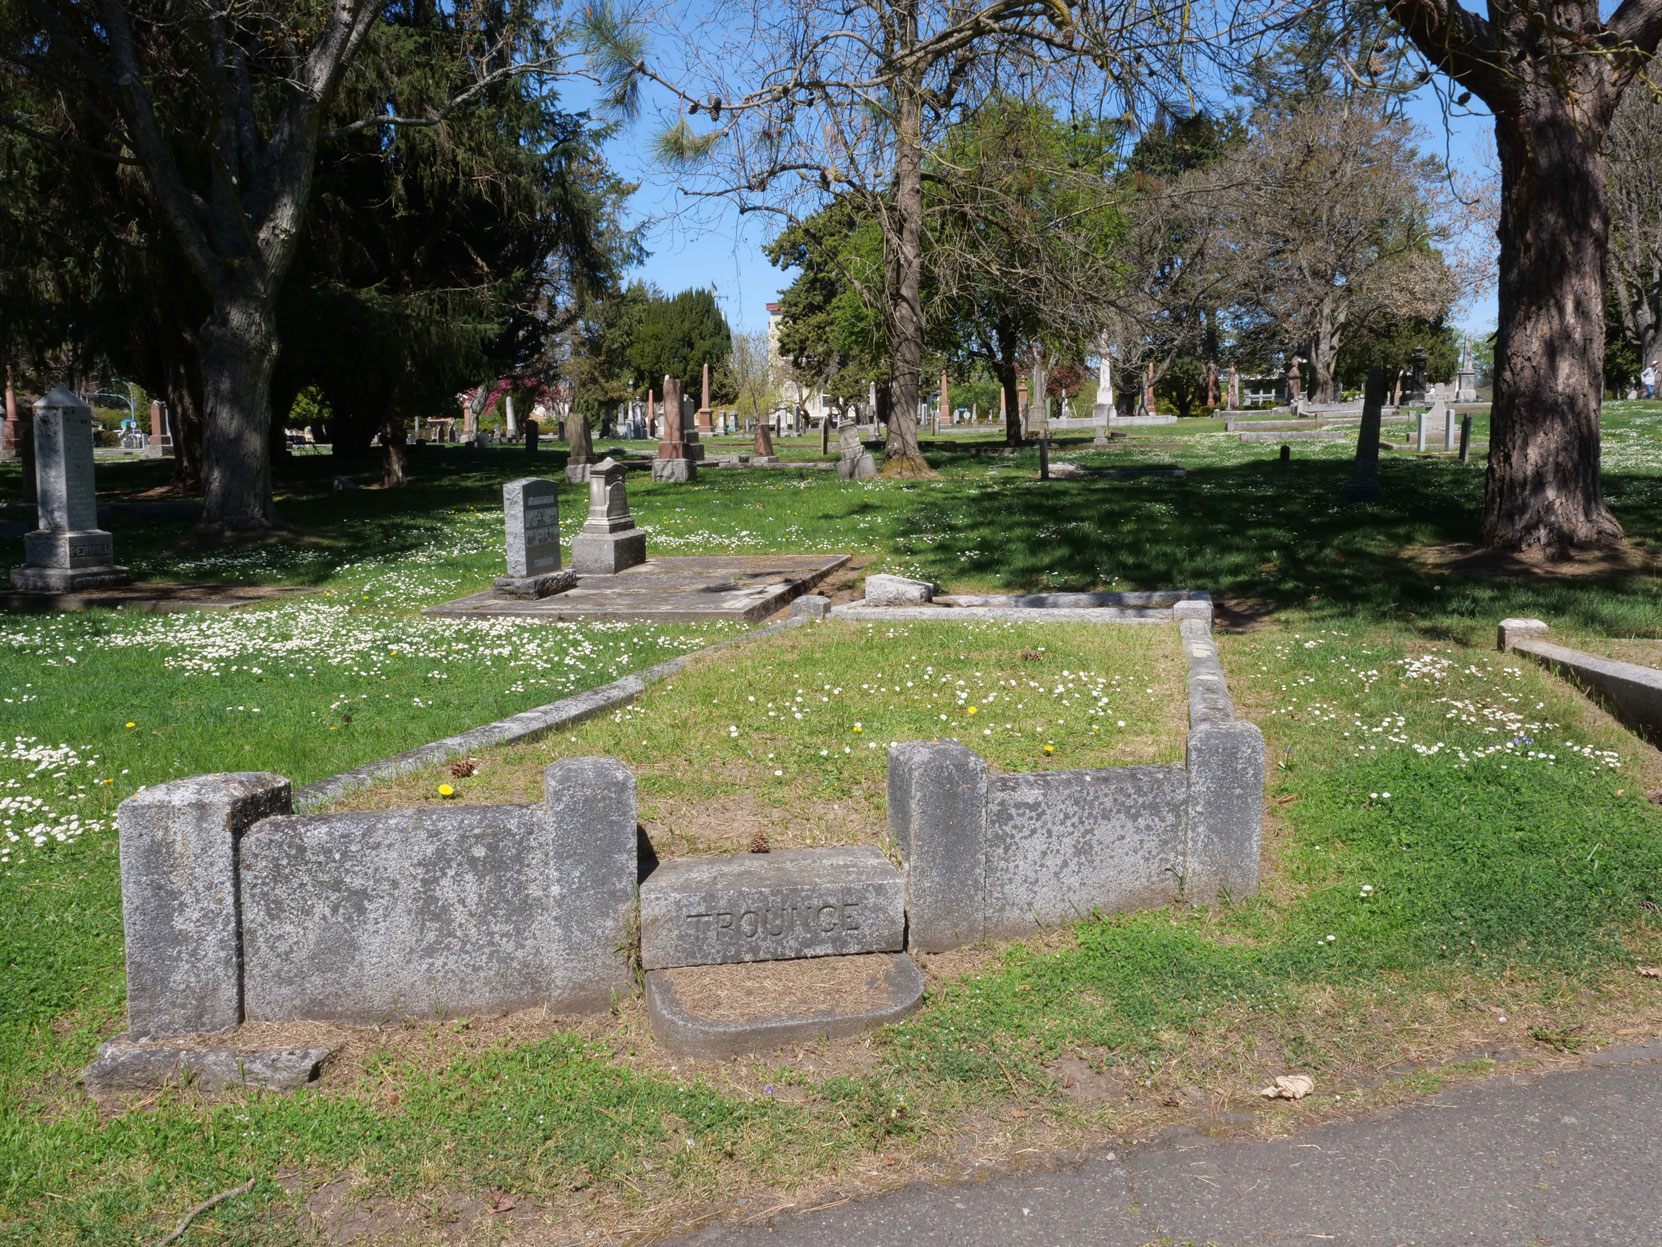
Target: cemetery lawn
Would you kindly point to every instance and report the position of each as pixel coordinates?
(789, 736)
(1463, 860)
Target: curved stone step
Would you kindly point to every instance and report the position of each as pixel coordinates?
(730, 1010)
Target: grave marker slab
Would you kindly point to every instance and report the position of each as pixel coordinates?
(771, 907)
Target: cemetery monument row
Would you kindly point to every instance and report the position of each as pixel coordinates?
(67, 551)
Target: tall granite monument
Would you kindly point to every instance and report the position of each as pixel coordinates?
(67, 551)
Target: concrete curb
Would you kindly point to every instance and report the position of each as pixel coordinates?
(526, 725)
(1634, 693)
(681, 1030)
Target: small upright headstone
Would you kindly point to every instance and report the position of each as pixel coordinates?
(1465, 437)
(67, 550)
(609, 541)
(1438, 412)
(531, 521)
(582, 447)
(761, 446)
(532, 431)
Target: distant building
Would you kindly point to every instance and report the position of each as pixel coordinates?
(799, 402)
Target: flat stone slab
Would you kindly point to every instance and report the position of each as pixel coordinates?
(207, 1062)
(689, 589)
(793, 903)
(148, 597)
(727, 1011)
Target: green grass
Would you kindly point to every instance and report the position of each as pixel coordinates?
(1493, 881)
(791, 735)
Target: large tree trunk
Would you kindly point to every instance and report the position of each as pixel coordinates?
(239, 350)
(903, 262)
(184, 409)
(393, 453)
(1008, 378)
(1324, 360)
(1543, 487)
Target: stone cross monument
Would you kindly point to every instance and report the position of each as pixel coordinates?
(68, 550)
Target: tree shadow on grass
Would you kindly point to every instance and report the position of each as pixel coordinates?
(1276, 537)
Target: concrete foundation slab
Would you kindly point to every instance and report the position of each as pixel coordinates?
(689, 589)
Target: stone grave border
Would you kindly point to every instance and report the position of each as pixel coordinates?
(1631, 692)
(237, 908)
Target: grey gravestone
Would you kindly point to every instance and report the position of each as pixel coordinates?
(531, 519)
(67, 550)
(1060, 843)
(886, 590)
(609, 541)
(813, 605)
(674, 471)
(698, 911)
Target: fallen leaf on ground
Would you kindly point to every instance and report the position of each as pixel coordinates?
(1290, 1087)
(1649, 972)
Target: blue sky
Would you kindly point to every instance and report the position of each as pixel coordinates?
(717, 246)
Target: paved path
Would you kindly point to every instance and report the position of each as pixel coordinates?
(1566, 1159)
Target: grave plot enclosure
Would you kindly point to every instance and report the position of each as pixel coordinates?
(236, 909)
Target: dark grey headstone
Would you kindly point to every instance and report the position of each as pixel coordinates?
(531, 515)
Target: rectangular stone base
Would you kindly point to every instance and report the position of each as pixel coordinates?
(69, 579)
(676, 471)
(603, 554)
(535, 586)
(86, 547)
(577, 474)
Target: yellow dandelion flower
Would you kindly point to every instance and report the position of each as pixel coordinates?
(445, 790)
(132, 725)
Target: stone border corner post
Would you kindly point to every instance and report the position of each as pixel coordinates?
(180, 897)
(590, 804)
(938, 819)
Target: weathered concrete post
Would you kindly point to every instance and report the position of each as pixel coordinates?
(938, 818)
(180, 898)
(591, 815)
